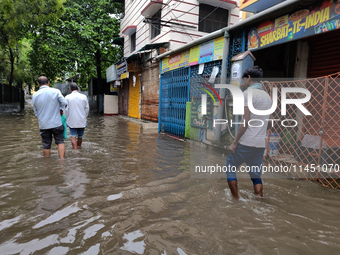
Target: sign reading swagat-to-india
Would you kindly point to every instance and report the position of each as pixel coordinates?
(302, 23)
(203, 53)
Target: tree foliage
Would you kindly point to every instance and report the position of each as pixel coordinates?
(18, 20)
(81, 41)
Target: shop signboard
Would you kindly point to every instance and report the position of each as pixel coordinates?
(299, 24)
(177, 61)
(113, 88)
(200, 54)
(122, 70)
(194, 55)
(218, 48)
(111, 74)
(206, 52)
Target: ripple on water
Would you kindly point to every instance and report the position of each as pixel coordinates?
(125, 192)
(59, 215)
(134, 242)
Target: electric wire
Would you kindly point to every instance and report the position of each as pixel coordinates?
(177, 18)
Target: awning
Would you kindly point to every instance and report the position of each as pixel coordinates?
(151, 46)
(129, 30)
(152, 8)
(135, 56)
(256, 6)
(118, 41)
(132, 57)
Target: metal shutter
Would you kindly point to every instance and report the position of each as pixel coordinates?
(324, 52)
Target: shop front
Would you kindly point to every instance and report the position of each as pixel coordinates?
(276, 42)
(134, 94)
(123, 96)
(185, 77)
(150, 92)
(299, 50)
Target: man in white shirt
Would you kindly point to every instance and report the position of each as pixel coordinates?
(76, 112)
(46, 104)
(249, 144)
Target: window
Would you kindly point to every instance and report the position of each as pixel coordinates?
(156, 24)
(212, 18)
(133, 41)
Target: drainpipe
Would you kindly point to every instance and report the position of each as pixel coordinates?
(223, 81)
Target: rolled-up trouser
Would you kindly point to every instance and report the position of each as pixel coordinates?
(252, 156)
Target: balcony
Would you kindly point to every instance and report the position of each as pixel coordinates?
(129, 30)
(152, 7)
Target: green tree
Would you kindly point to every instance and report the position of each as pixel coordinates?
(23, 73)
(19, 19)
(80, 42)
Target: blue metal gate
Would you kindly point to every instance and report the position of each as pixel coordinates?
(174, 93)
(175, 89)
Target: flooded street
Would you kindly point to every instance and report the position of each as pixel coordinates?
(129, 192)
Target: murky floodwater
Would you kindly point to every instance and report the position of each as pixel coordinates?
(127, 192)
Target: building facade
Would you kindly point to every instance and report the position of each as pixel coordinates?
(173, 22)
(297, 48)
(295, 43)
(150, 28)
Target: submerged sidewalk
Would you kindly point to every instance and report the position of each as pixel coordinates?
(148, 126)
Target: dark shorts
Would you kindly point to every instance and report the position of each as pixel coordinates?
(77, 132)
(252, 156)
(46, 135)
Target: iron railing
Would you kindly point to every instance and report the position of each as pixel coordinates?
(309, 144)
(9, 94)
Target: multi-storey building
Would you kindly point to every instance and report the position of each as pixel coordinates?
(152, 27)
(173, 22)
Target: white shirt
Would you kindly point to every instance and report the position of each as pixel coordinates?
(46, 104)
(255, 136)
(77, 110)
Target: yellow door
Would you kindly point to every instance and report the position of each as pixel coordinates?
(134, 95)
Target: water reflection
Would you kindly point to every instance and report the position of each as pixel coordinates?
(128, 192)
(134, 242)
